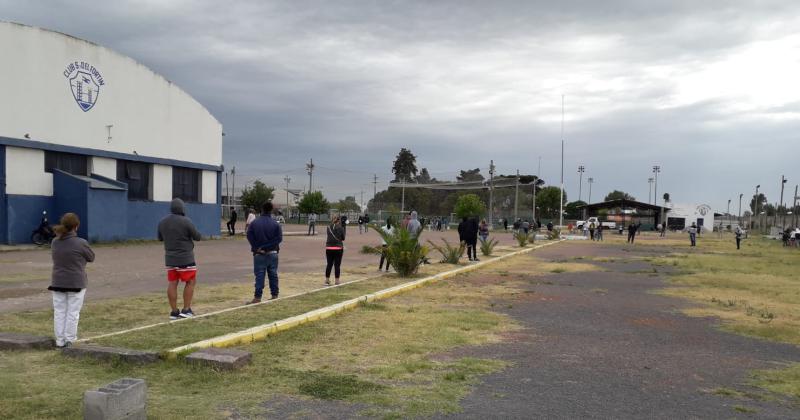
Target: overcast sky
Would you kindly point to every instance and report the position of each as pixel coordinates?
(708, 90)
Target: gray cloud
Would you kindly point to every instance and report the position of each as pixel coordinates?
(675, 83)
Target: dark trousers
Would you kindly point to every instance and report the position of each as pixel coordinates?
(471, 254)
(693, 238)
(312, 228)
(591, 234)
(231, 227)
(738, 241)
(334, 257)
(265, 265)
(384, 257)
(631, 237)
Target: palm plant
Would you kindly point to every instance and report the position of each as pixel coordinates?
(403, 250)
(524, 238)
(450, 254)
(487, 246)
(554, 234)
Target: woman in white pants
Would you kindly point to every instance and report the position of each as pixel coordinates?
(68, 284)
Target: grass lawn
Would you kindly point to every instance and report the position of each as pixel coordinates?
(389, 359)
(755, 291)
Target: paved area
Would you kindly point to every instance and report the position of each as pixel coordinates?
(130, 269)
(601, 345)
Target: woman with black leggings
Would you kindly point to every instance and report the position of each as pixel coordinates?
(334, 249)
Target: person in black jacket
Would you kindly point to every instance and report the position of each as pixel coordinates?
(632, 228)
(468, 234)
(232, 222)
(334, 249)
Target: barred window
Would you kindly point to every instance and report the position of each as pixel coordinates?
(186, 184)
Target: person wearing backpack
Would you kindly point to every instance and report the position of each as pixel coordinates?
(334, 250)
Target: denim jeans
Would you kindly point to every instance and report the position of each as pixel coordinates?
(266, 264)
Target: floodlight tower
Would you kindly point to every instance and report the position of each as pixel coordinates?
(590, 181)
(650, 190)
(656, 170)
(581, 170)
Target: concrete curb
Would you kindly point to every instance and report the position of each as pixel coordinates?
(261, 332)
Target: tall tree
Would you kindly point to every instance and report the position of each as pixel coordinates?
(762, 199)
(349, 204)
(470, 175)
(619, 195)
(469, 205)
(548, 201)
(572, 210)
(314, 202)
(256, 195)
(405, 166)
(424, 177)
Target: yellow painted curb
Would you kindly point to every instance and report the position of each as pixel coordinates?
(261, 332)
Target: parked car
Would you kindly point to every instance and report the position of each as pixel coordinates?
(597, 222)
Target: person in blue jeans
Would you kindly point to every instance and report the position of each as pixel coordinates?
(265, 237)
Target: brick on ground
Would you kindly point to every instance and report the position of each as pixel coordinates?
(111, 353)
(227, 359)
(15, 341)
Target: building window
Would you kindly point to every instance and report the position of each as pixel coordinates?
(67, 162)
(186, 184)
(137, 176)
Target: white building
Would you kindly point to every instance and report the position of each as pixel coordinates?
(87, 130)
(681, 216)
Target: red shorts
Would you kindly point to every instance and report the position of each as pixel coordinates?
(184, 274)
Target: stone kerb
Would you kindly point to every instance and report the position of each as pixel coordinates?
(227, 359)
(124, 399)
(14, 341)
(111, 353)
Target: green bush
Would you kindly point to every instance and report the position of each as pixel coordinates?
(403, 250)
(524, 238)
(469, 205)
(488, 246)
(450, 254)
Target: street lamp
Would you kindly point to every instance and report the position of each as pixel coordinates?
(755, 207)
(739, 218)
(590, 181)
(650, 190)
(656, 170)
(581, 170)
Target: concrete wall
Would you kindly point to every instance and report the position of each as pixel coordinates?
(162, 183)
(71, 197)
(208, 193)
(25, 172)
(106, 167)
(148, 113)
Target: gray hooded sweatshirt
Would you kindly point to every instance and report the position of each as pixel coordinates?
(413, 225)
(70, 255)
(178, 233)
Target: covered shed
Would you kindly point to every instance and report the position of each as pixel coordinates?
(626, 212)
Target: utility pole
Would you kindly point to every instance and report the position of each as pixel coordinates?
(590, 181)
(491, 194)
(783, 217)
(581, 169)
(728, 213)
(233, 185)
(561, 198)
(755, 208)
(362, 200)
(289, 213)
(403, 199)
(516, 195)
(739, 218)
(310, 169)
(794, 206)
(374, 187)
(227, 190)
(656, 170)
(536, 181)
(650, 190)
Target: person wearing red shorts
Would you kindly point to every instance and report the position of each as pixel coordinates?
(178, 234)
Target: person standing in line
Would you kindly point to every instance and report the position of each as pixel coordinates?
(664, 229)
(526, 226)
(360, 224)
(549, 226)
(738, 233)
(366, 222)
(312, 224)
(462, 234)
(472, 238)
(483, 230)
(251, 217)
(632, 232)
(598, 234)
(280, 219)
(505, 223)
(178, 234)
(232, 222)
(414, 226)
(265, 237)
(334, 249)
(389, 230)
(68, 281)
(592, 228)
(693, 234)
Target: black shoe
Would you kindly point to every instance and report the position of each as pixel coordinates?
(186, 313)
(273, 297)
(176, 314)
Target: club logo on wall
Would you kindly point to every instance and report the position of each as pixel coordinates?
(703, 209)
(84, 82)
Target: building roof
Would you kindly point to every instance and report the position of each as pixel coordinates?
(628, 204)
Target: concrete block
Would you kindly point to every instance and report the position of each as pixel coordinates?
(124, 399)
(111, 353)
(15, 341)
(228, 359)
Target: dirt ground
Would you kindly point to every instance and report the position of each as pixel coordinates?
(131, 269)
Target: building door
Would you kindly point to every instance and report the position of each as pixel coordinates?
(699, 224)
(3, 201)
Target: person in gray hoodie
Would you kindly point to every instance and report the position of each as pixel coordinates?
(178, 234)
(68, 282)
(414, 226)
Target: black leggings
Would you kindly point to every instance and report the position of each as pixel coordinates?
(471, 254)
(384, 257)
(334, 257)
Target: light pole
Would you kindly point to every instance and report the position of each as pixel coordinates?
(650, 190)
(739, 217)
(590, 181)
(516, 195)
(561, 198)
(755, 207)
(491, 194)
(783, 218)
(728, 213)
(656, 170)
(581, 169)
(536, 181)
(289, 213)
(310, 169)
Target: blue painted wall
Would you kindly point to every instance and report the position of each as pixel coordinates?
(3, 218)
(71, 196)
(24, 215)
(144, 216)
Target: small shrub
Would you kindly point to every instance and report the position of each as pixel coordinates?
(403, 250)
(488, 246)
(366, 249)
(524, 238)
(554, 234)
(450, 254)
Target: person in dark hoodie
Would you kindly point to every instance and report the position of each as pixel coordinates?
(468, 234)
(265, 237)
(68, 282)
(334, 250)
(178, 234)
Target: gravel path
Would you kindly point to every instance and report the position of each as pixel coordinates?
(601, 345)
